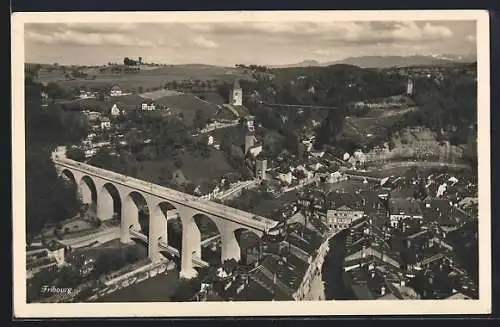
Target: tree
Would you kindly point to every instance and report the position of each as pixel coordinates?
(327, 132)
(200, 119)
(48, 197)
(186, 289)
(75, 153)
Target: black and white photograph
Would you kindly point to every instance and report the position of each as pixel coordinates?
(251, 163)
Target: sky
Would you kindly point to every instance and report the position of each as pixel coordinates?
(230, 43)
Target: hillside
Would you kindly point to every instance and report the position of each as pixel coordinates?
(393, 61)
(332, 85)
(187, 104)
(417, 144)
(145, 79)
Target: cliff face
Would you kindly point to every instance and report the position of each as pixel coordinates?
(418, 144)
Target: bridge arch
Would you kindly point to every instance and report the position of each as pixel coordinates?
(135, 212)
(161, 214)
(70, 179)
(210, 238)
(109, 202)
(68, 176)
(88, 192)
(250, 244)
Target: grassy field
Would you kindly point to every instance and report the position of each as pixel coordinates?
(148, 79)
(188, 104)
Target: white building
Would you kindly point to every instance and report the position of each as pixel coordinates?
(115, 91)
(402, 209)
(57, 251)
(285, 177)
(255, 150)
(340, 218)
(115, 111)
(105, 123)
(148, 106)
(441, 190)
(409, 87)
(91, 115)
(90, 152)
(335, 177)
(86, 95)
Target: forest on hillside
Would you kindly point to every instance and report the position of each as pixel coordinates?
(448, 108)
(48, 197)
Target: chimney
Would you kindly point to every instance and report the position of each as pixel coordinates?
(363, 251)
(382, 290)
(402, 283)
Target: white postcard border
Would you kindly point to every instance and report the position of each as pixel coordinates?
(21, 309)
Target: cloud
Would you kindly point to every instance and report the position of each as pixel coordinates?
(336, 32)
(204, 42)
(101, 28)
(276, 41)
(84, 34)
(471, 38)
(84, 28)
(70, 37)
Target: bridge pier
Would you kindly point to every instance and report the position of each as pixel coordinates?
(230, 247)
(85, 192)
(191, 247)
(105, 208)
(130, 217)
(157, 232)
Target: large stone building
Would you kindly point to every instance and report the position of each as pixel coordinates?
(342, 217)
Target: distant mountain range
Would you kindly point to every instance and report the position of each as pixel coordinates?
(387, 61)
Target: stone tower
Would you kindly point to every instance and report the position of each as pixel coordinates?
(260, 169)
(250, 138)
(236, 98)
(409, 87)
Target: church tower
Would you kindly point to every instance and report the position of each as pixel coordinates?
(236, 98)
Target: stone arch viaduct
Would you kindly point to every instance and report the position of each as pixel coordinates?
(96, 186)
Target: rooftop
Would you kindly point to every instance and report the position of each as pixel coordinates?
(404, 206)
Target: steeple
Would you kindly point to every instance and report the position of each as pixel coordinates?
(236, 85)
